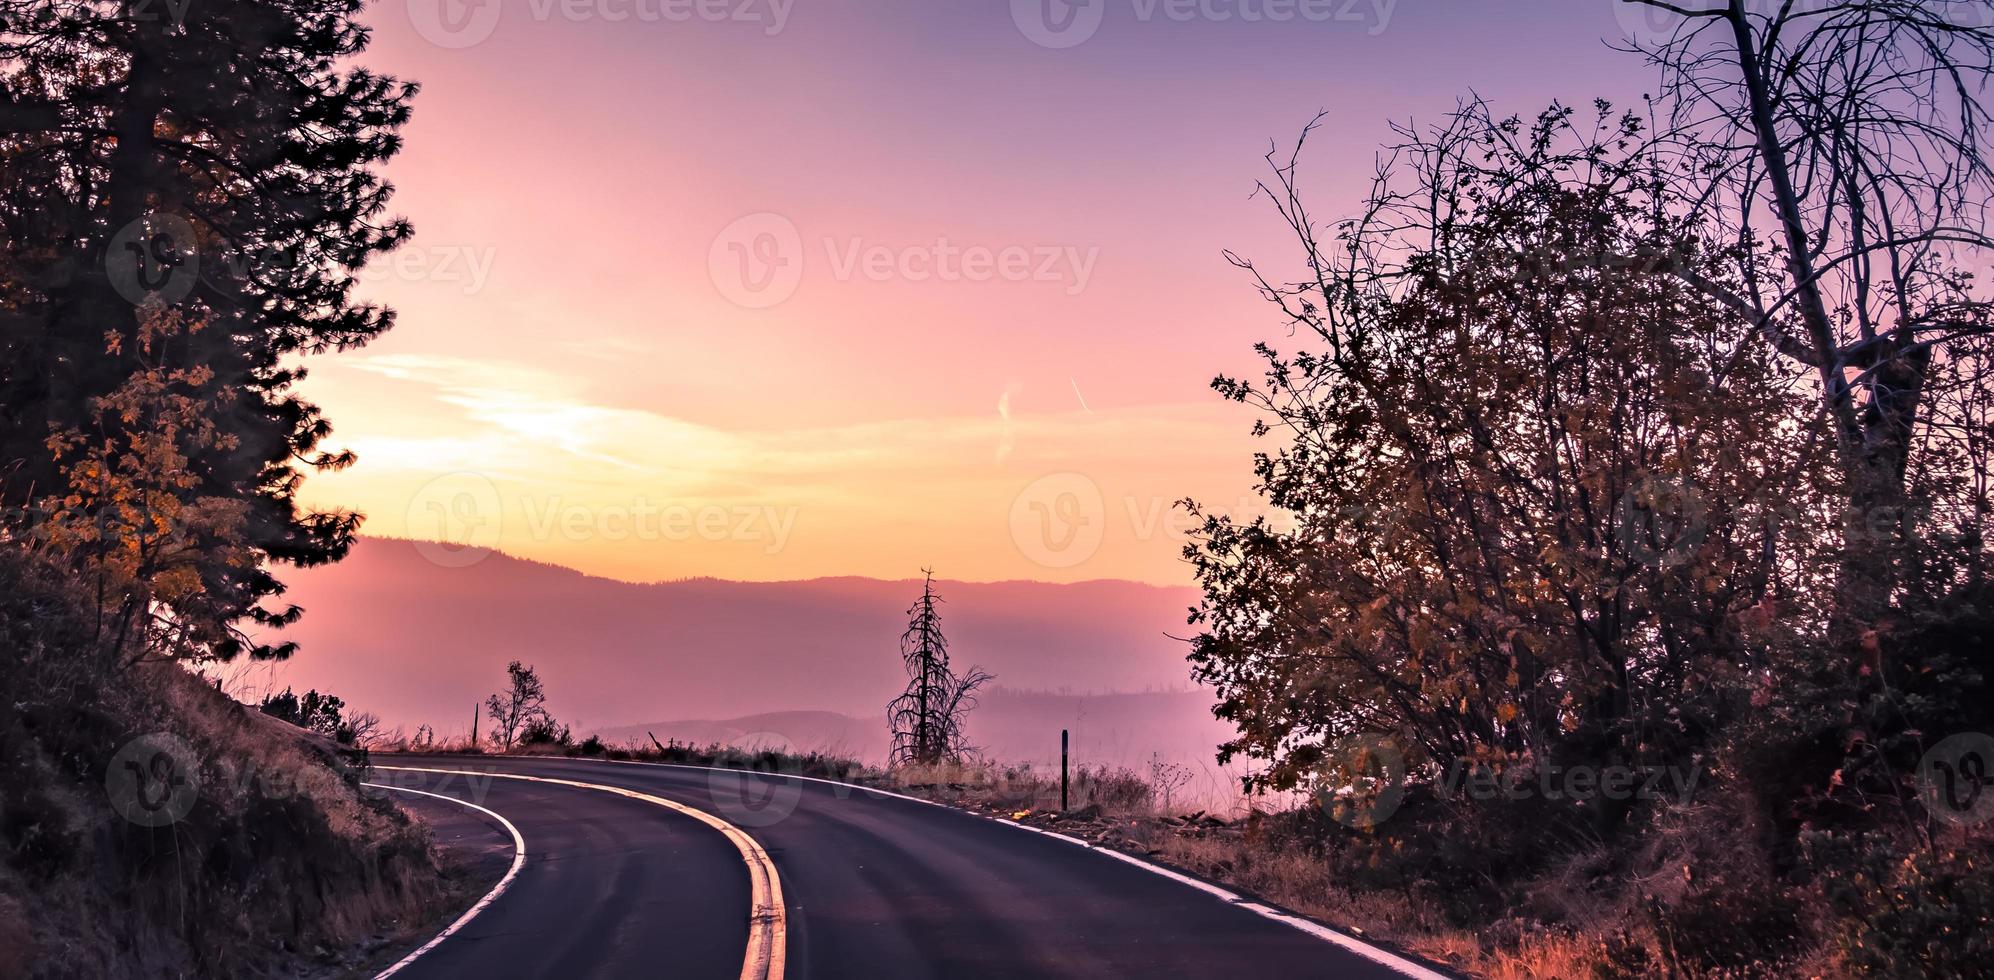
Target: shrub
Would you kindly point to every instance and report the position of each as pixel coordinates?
(1733, 928)
(545, 731)
(1908, 910)
(323, 714)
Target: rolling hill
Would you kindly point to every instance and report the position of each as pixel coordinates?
(416, 642)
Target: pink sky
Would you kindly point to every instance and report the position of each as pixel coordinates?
(582, 375)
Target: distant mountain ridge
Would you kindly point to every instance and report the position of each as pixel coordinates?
(1009, 726)
(416, 642)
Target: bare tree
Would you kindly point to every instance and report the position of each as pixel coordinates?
(523, 702)
(364, 729)
(1167, 778)
(927, 719)
(1852, 128)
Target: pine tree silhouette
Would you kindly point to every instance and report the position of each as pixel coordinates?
(217, 158)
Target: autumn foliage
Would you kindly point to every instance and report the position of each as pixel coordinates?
(1545, 504)
(134, 519)
(1530, 485)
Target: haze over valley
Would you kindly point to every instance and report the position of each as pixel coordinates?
(813, 662)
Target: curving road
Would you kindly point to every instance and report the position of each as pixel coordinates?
(874, 886)
(611, 886)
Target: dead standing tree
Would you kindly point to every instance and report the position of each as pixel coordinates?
(1851, 131)
(927, 719)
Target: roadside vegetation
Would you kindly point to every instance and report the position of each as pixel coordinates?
(185, 202)
(1624, 605)
(323, 714)
(152, 826)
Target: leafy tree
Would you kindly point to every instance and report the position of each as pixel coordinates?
(132, 519)
(215, 158)
(1530, 484)
(927, 720)
(519, 709)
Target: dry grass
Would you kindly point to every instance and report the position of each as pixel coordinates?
(1102, 791)
(279, 863)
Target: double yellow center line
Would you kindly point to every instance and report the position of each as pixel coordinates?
(768, 918)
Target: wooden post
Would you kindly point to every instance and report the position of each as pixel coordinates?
(1062, 770)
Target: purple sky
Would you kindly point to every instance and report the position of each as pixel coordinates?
(985, 270)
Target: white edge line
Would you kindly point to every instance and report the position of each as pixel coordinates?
(1382, 957)
(768, 915)
(518, 861)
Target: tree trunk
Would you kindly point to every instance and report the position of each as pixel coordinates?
(1877, 525)
(1873, 443)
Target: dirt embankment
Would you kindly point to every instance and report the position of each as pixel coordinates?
(152, 827)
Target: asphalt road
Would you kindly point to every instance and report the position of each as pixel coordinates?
(875, 887)
(611, 887)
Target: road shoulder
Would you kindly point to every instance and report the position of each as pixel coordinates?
(474, 852)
